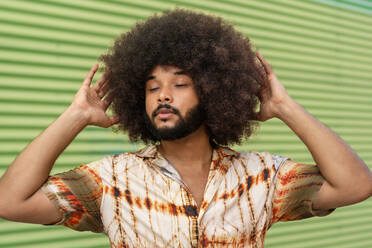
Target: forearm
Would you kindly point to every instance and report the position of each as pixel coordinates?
(339, 164)
(348, 179)
(32, 166)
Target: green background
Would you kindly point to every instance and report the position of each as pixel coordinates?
(320, 50)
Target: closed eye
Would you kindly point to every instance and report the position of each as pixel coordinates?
(153, 89)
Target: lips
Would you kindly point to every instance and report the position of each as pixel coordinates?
(164, 113)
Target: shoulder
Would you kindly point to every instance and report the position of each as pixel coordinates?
(253, 163)
(124, 161)
(146, 152)
(262, 159)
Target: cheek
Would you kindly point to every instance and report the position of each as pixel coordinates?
(192, 99)
(148, 109)
(148, 106)
(188, 103)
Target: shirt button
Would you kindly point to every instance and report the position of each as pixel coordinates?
(191, 210)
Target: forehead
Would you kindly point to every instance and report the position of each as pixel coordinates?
(167, 70)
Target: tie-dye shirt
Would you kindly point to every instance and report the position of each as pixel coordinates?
(140, 200)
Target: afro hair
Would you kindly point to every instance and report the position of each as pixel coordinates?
(218, 58)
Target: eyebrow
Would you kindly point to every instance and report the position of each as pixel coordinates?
(150, 77)
(182, 72)
(179, 72)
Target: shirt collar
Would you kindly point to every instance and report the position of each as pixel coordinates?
(221, 152)
(147, 152)
(221, 159)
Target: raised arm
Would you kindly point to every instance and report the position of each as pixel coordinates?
(347, 179)
(20, 196)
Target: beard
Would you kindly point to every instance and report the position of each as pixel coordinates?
(193, 119)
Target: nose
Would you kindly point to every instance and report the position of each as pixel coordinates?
(165, 96)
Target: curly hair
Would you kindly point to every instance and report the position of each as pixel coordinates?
(218, 58)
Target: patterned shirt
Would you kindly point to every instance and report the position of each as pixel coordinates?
(140, 200)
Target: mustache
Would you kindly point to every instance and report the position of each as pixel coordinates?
(167, 106)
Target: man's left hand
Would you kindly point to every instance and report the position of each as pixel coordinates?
(273, 96)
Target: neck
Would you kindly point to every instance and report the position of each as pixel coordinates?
(194, 150)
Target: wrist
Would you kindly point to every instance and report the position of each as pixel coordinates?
(286, 109)
(76, 117)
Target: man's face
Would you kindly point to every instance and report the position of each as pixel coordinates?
(172, 105)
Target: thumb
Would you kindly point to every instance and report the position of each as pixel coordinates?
(110, 121)
(114, 120)
(258, 116)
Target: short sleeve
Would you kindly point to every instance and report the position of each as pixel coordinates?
(296, 185)
(77, 195)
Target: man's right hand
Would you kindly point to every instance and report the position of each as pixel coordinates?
(21, 198)
(93, 101)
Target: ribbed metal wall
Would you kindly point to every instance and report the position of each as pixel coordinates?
(321, 51)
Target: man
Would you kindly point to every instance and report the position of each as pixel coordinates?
(186, 83)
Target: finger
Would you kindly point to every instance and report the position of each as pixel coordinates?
(88, 79)
(263, 62)
(265, 92)
(101, 81)
(266, 65)
(106, 103)
(260, 95)
(105, 87)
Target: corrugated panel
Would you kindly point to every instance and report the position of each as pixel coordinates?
(364, 6)
(321, 51)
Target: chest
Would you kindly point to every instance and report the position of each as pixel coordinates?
(195, 183)
(150, 209)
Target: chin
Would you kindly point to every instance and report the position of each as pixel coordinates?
(171, 122)
(166, 124)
